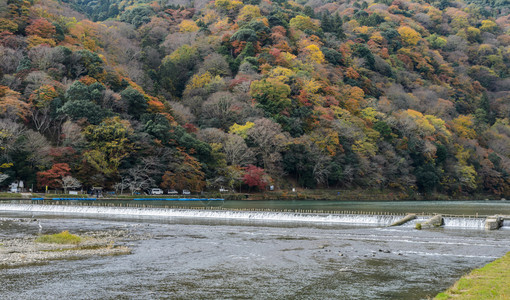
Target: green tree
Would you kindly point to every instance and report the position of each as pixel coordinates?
(137, 105)
(271, 94)
(108, 144)
(177, 68)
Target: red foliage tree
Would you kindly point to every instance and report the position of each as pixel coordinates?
(255, 176)
(42, 28)
(53, 177)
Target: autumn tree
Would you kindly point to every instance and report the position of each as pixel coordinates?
(108, 143)
(41, 27)
(188, 26)
(271, 94)
(304, 23)
(52, 178)
(409, 36)
(185, 172)
(256, 177)
(11, 106)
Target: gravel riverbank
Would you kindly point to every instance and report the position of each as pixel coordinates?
(19, 251)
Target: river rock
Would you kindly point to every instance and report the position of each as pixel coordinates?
(435, 221)
(493, 223)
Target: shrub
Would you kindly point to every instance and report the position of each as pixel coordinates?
(59, 238)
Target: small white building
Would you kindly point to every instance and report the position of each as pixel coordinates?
(16, 186)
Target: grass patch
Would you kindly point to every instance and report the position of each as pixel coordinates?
(489, 282)
(59, 238)
(10, 195)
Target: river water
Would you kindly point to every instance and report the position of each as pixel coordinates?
(250, 255)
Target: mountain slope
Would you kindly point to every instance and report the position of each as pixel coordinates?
(403, 96)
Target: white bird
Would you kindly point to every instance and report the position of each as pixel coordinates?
(40, 227)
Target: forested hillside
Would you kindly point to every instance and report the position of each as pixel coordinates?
(402, 96)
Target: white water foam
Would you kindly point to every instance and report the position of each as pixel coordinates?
(478, 223)
(353, 219)
(506, 224)
(215, 214)
(421, 253)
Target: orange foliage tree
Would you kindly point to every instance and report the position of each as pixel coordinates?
(42, 28)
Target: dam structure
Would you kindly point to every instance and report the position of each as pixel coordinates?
(354, 218)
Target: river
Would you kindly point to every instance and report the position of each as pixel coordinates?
(255, 255)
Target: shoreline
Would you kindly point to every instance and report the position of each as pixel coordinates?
(299, 194)
(491, 281)
(250, 199)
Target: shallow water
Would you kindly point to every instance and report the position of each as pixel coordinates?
(208, 258)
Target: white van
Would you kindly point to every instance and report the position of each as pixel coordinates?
(156, 191)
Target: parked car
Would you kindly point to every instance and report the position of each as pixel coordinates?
(186, 192)
(172, 192)
(223, 190)
(156, 191)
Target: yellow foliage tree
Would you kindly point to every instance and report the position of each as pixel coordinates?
(209, 16)
(311, 86)
(364, 147)
(369, 114)
(8, 25)
(423, 125)
(326, 139)
(363, 30)
(488, 26)
(466, 173)
(440, 127)
(109, 143)
(227, 5)
(303, 23)
(464, 126)
(188, 26)
(473, 34)
(248, 13)
(35, 40)
(353, 97)
(314, 54)
(199, 81)
(241, 130)
(281, 74)
(409, 36)
(377, 37)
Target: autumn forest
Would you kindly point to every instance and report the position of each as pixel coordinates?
(407, 96)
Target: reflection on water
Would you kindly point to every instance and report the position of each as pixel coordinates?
(217, 259)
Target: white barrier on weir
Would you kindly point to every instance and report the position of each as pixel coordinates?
(341, 217)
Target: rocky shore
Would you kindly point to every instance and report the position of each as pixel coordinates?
(19, 251)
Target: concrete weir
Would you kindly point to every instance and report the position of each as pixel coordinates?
(435, 221)
(493, 223)
(404, 220)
